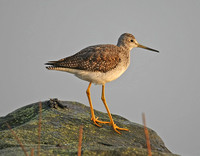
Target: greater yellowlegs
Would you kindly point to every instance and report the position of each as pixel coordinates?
(100, 64)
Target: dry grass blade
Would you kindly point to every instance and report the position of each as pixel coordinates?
(39, 126)
(147, 135)
(80, 140)
(16, 137)
(32, 152)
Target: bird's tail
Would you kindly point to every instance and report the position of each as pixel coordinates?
(51, 63)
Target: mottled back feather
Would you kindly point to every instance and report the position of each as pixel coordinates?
(94, 58)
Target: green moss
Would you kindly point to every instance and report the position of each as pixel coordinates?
(60, 132)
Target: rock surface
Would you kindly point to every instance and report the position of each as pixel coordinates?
(61, 121)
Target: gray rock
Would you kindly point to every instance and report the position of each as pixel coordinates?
(61, 121)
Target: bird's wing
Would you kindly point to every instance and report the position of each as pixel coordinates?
(94, 58)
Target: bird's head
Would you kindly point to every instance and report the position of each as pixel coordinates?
(129, 42)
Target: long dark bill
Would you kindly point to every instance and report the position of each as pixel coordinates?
(144, 47)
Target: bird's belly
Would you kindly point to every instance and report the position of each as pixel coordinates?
(100, 77)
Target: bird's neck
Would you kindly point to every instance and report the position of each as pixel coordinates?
(124, 47)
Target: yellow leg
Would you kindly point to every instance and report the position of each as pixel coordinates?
(115, 127)
(95, 120)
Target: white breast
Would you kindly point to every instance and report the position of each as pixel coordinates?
(102, 78)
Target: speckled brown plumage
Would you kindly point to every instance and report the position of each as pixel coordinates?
(94, 58)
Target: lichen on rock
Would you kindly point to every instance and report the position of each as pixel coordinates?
(60, 132)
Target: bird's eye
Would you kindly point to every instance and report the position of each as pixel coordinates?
(131, 40)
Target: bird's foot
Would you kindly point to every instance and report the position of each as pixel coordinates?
(96, 121)
(116, 128)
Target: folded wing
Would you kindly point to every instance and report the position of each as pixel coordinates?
(95, 58)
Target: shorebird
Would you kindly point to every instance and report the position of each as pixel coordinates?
(100, 64)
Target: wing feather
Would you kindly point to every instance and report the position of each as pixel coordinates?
(94, 58)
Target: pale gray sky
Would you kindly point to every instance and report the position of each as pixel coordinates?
(165, 86)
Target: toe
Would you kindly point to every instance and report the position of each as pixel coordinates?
(97, 124)
(117, 131)
(116, 128)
